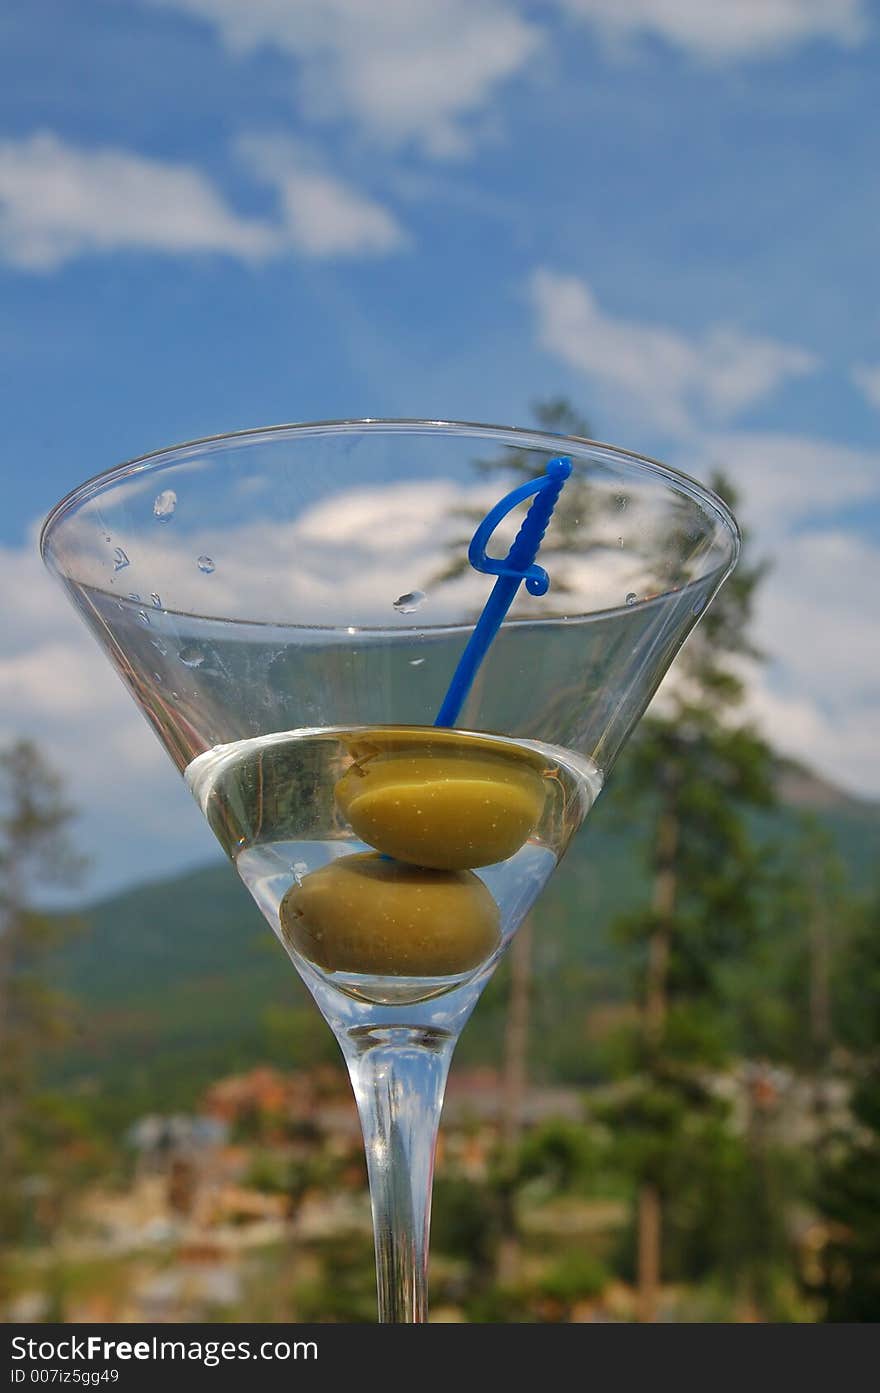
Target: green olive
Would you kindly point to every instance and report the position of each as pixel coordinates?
(446, 801)
(366, 914)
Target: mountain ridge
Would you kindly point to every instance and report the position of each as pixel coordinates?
(797, 786)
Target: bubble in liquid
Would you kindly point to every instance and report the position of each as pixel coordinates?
(620, 500)
(410, 602)
(163, 507)
(143, 616)
(631, 597)
(206, 565)
(191, 656)
(120, 560)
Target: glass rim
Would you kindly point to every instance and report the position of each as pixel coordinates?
(96, 483)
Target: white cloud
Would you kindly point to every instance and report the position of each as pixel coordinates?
(866, 376)
(787, 480)
(726, 29)
(740, 369)
(405, 71)
(668, 378)
(323, 216)
(818, 699)
(818, 618)
(841, 747)
(58, 202)
(688, 386)
(828, 607)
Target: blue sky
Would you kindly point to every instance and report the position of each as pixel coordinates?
(224, 213)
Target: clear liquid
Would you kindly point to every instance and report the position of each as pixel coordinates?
(279, 807)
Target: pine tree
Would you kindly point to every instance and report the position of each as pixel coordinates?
(690, 778)
(693, 772)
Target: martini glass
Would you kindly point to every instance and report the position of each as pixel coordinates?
(288, 607)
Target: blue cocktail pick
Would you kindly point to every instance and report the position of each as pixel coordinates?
(517, 566)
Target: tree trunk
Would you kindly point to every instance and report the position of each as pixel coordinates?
(820, 1018)
(650, 1213)
(821, 1039)
(760, 1096)
(514, 1083)
(13, 1060)
(650, 1227)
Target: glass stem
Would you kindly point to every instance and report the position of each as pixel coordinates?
(398, 1075)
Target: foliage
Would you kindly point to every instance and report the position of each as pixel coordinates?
(465, 1222)
(576, 1276)
(561, 1157)
(35, 850)
(849, 1184)
(692, 778)
(348, 1290)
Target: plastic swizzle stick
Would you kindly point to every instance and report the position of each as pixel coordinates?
(517, 566)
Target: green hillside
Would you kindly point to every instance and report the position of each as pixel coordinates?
(180, 981)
